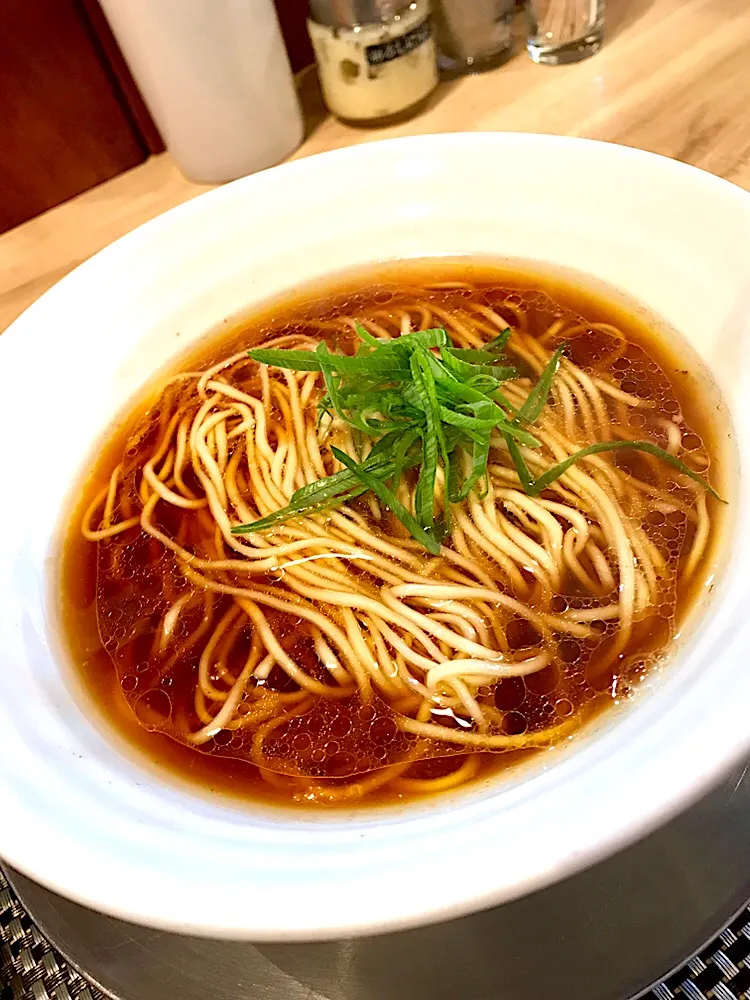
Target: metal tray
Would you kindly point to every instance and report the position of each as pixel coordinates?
(607, 933)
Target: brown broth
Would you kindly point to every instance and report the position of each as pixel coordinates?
(231, 776)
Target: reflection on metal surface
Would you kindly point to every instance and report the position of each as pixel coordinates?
(605, 934)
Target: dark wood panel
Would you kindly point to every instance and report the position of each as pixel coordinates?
(124, 84)
(293, 20)
(62, 127)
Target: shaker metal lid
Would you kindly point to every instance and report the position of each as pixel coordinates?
(348, 13)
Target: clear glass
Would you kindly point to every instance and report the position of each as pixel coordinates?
(564, 31)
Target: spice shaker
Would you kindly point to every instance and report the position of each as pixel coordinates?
(376, 58)
(473, 35)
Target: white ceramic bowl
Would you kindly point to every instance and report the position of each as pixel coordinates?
(83, 817)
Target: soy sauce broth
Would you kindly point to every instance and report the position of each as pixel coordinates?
(651, 351)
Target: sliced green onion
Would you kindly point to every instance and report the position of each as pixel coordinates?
(427, 410)
(390, 500)
(537, 398)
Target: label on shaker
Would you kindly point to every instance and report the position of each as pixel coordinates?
(401, 46)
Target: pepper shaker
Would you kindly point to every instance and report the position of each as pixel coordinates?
(473, 35)
(376, 58)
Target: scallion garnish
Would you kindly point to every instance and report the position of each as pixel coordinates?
(425, 410)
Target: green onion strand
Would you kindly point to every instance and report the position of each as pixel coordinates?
(415, 401)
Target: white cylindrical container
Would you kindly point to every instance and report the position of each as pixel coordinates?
(216, 78)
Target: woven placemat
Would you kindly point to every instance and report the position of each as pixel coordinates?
(31, 969)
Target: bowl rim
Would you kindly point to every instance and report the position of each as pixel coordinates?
(655, 804)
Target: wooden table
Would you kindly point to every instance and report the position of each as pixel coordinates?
(673, 77)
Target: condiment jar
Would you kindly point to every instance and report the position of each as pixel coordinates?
(376, 58)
